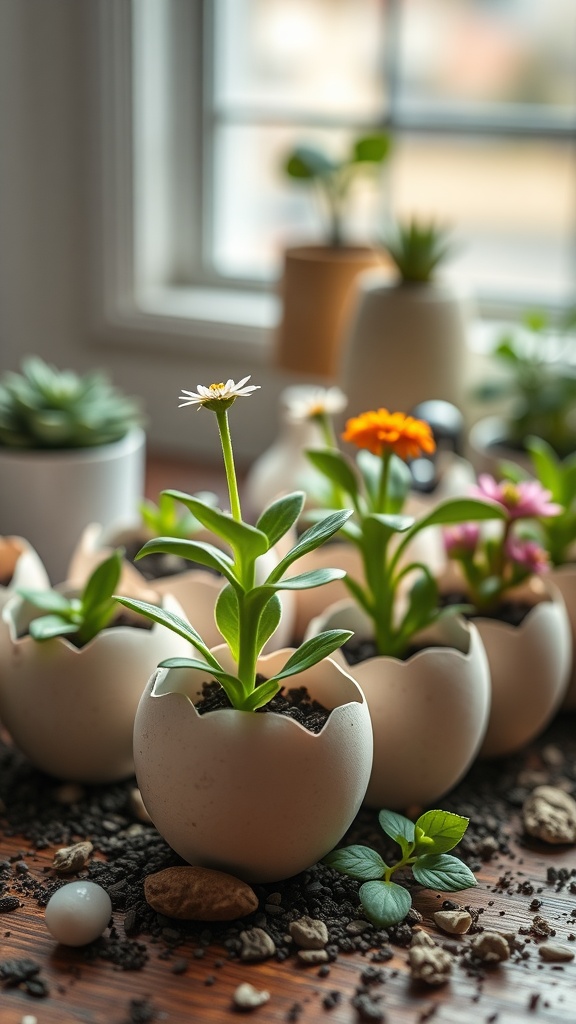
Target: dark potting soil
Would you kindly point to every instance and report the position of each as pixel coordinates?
(295, 703)
(47, 813)
(512, 613)
(356, 651)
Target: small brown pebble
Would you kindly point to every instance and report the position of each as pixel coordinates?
(454, 922)
(540, 927)
(490, 947)
(309, 933)
(552, 755)
(357, 927)
(69, 859)
(555, 954)
(199, 894)
(246, 997)
(549, 814)
(313, 956)
(256, 944)
(421, 938)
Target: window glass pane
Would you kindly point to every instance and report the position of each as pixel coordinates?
(258, 211)
(322, 56)
(510, 51)
(511, 204)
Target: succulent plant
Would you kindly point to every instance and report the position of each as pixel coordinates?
(43, 407)
(417, 248)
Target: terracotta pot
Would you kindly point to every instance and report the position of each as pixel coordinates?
(429, 713)
(564, 578)
(196, 590)
(317, 284)
(253, 794)
(48, 497)
(20, 566)
(71, 711)
(529, 669)
(404, 344)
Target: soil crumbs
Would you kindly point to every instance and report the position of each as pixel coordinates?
(46, 813)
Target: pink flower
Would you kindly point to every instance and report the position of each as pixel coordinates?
(461, 540)
(527, 554)
(524, 500)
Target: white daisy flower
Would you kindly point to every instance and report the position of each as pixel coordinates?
(217, 393)
(311, 402)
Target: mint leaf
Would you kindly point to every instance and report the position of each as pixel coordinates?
(385, 903)
(398, 827)
(357, 861)
(444, 872)
(444, 828)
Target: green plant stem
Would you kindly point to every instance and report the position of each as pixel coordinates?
(382, 499)
(226, 442)
(404, 862)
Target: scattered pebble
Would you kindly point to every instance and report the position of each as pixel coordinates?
(78, 913)
(70, 859)
(309, 933)
(490, 947)
(246, 997)
(428, 962)
(454, 922)
(555, 954)
(313, 956)
(199, 894)
(549, 814)
(256, 944)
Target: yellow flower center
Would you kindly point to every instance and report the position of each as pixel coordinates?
(217, 387)
(510, 493)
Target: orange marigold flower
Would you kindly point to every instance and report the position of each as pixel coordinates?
(382, 431)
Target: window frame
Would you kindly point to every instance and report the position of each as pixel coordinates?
(193, 306)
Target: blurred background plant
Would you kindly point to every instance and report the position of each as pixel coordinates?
(417, 248)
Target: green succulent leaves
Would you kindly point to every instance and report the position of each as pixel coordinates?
(43, 407)
(417, 249)
(80, 618)
(424, 845)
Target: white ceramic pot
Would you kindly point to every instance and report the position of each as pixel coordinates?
(254, 794)
(529, 669)
(20, 566)
(429, 713)
(404, 344)
(48, 497)
(196, 590)
(564, 577)
(71, 711)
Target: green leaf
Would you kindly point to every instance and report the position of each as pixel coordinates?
(308, 580)
(101, 584)
(193, 551)
(310, 540)
(335, 467)
(547, 465)
(308, 162)
(398, 827)
(385, 903)
(48, 626)
(444, 828)
(314, 650)
(359, 862)
(231, 684)
(261, 695)
(171, 621)
(278, 517)
(377, 526)
(227, 619)
(46, 600)
(269, 621)
(459, 510)
(444, 872)
(372, 148)
(241, 537)
(422, 603)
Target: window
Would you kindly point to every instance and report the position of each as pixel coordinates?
(479, 96)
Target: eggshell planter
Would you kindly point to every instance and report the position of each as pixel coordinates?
(254, 794)
(49, 496)
(71, 711)
(529, 667)
(196, 590)
(564, 578)
(429, 713)
(20, 566)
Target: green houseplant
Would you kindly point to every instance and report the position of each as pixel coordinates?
(67, 441)
(254, 758)
(409, 325)
(72, 669)
(318, 280)
(536, 385)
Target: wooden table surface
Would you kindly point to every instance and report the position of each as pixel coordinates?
(522, 989)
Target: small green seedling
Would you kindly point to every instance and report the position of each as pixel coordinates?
(80, 618)
(424, 847)
(168, 519)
